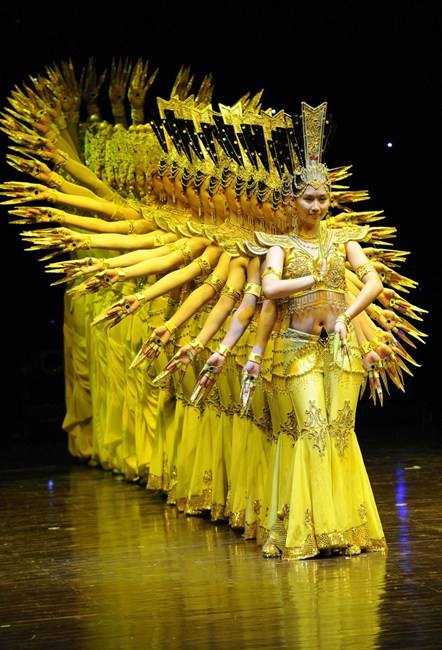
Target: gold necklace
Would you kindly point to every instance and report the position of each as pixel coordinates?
(304, 244)
(306, 237)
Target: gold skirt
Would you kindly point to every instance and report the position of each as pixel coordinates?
(318, 493)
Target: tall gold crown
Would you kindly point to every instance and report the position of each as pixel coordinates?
(312, 124)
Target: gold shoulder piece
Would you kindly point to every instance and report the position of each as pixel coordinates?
(268, 240)
(195, 228)
(250, 249)
(347, 233)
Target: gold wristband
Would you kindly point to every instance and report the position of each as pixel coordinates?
(375, 310)
(317, 278)
(61, 158)
(196, 344)
(118, 110)
(255, 358)
(171, 326)
(224, 350)
(344, 318)
(52, 196)
(140, 297)
(85, 244)
(55, 180)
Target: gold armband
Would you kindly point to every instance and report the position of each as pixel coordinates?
(271, 271)
(231, 292)
(196, 344)
(158, 240)
(254, 289)
(344, 318)
(215, 282)
(255, 358)
(130, 227)
(363, 269)
(174, 246)
(224, 350)
(171, 326)
(186, 253)
(203, 264)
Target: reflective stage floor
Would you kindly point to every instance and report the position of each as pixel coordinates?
(89, 561)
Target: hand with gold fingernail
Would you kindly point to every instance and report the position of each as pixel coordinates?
(340, 339)
(250, 374)
(206, 378)
(179, 362)
(248, 386)
(373, 365)
(151, 348)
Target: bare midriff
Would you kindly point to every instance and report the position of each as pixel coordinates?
(311, 312)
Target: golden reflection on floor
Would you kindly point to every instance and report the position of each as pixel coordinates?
(90, 561)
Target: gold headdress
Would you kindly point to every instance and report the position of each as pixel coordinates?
(311, 132)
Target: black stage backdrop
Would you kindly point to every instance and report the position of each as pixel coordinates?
(377, 64)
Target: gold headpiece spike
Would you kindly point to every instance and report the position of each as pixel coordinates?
(313, 123)
(313, 172)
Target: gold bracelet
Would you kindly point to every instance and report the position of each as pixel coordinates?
(317, 277)
(120, 272)
(85, 244)
(375, 342)
(118, 110)
(375, 310)
(255, 358)
(61, 158)
(52, 196)
(344, 318)
(137, 115)
(140, 297)
(196, 344)
(253, 288)
(55, 180)
(171, 326)
(224, 350)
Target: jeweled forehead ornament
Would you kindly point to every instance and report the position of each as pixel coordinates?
(312, 125)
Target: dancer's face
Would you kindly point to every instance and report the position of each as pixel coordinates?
(312, 206)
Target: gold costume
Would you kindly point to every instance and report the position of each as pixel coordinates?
(161, 222)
